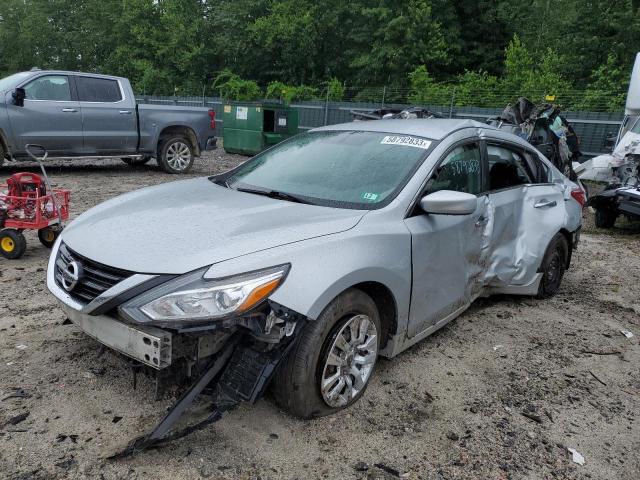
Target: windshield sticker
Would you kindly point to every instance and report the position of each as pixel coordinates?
(371, 197)
(406, 141)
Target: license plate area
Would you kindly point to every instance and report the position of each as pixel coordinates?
(149, 345)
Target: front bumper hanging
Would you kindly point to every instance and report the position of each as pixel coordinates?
(238, 373)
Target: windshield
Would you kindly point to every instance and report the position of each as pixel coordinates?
(11, 81)
(347, 169)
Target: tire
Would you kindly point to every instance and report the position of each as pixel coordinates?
(297, 384)
(134, 162)
(605, 217)
(176, 155)
(2, 154)
(48, 236)
(12, 243)
(553, 266)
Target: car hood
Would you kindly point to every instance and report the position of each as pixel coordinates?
(181, 226)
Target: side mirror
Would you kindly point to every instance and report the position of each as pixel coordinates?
(448, 202)
(18, 97)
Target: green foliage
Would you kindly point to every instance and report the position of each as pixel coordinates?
(289, 93)
(482, 52)
(604, 91)
(478, 89)
(231, 87)
(424, 90)
(335, 90)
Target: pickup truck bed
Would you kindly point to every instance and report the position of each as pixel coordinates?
(80, 115)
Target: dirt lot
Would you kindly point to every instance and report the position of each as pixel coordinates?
(500, 393)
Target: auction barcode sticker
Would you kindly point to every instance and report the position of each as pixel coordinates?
(406, 141)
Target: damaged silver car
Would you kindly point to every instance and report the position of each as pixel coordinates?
(305, 264)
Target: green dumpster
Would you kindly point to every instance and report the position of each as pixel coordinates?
(249, 128)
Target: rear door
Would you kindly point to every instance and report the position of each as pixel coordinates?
(50, 116)
(109, 119)
(527, 212)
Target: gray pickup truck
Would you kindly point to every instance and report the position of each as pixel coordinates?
(84, 115)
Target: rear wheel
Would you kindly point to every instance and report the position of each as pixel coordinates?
(553, 266)
(176, 155)
(2, 154)
(12, 243)
(48, 236)
(605, 217)
(330, 368)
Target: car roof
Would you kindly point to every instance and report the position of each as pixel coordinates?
(66, 72)
(433, 128)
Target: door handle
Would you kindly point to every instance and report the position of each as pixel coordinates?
(482, 221)
(545, 203)
(69, 110)
(125, 112)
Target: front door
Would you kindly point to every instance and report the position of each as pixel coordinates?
(50, 117)
(448, 251)
(109, 119)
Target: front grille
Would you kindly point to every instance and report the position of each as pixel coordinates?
(96, 278)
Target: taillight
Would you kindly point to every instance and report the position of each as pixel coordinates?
(578, 194)
(212, 117)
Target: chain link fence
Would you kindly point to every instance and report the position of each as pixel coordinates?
(591, 126)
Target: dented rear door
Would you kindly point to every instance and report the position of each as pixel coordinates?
(526, 215)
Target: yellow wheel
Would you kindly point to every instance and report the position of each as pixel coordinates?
(48, 236)
(12, 243)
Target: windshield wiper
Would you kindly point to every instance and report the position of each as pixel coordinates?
(276, 194)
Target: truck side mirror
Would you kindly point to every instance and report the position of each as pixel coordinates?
(18, 97)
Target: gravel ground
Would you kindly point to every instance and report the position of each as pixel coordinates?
(502, 392)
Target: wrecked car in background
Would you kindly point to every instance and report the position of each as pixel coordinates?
(619, 170)
(545, 128)
(306, 263)
(394, 113)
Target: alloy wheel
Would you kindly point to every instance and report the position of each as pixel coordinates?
(178, 156)
(349, 361)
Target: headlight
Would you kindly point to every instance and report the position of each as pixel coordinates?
(193, 298)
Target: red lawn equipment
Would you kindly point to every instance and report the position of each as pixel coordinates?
(30, 204)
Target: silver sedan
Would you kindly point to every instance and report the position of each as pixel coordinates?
(342, 244)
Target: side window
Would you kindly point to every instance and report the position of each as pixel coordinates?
(541, 170)
(459, 171)
(49, 87)
(507, 168)
(91, 89)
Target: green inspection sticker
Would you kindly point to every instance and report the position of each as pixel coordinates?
(371, 197)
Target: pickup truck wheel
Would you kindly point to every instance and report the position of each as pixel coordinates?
(330, 367)
(2, 154)
(12, 243)
(176, 155)
(132, 162)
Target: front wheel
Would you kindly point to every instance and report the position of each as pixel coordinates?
(12, 243)
(176, 155)
(553, 266)
(330, 368)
